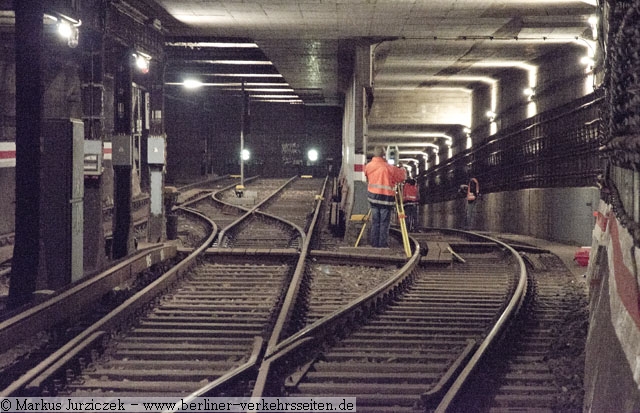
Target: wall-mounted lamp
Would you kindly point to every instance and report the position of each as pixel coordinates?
(312, 155)
(67, 28)
(491, 115)
(141, 61)
(589, 62)
(467, 132)
(593, 22)
(530, 92)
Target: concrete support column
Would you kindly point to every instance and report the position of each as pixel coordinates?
(157, 224)
(481, 125)
(93, 117)
(28, 49)
(355, 139)
(362, 79)
(122, 169)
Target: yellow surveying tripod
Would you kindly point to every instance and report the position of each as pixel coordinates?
(401, 220)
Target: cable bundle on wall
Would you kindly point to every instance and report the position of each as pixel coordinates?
(620, 136)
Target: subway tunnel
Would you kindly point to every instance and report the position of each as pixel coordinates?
(536, 99)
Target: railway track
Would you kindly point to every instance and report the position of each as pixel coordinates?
(537, 365)
(213, 316)
(203, 328)
(277, 222)
(393, 357)
(398, 334)
(211, 309)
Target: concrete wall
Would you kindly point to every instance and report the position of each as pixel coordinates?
(277, 135)
(612, 361)
(561, 214)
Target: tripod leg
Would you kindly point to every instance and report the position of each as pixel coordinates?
(403, 224)
(365, 219)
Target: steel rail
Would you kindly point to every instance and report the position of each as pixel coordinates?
(250, 211)
(212, 193)
(308, 338)
(303, 345)
(115, 317)
(78, 296)
(515, 303)
(283, 316)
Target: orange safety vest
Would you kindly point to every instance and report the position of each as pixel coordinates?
(410, 193)
(473, 193)
(382, 179)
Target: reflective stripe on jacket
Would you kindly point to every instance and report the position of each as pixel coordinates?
(382, 179)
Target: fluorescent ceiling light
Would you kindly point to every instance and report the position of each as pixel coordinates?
(257, 84)
(292, 101)
(192, 83)
(214, 45)
(266, 89)
(276, 96)
(235, 62)
(244, 74)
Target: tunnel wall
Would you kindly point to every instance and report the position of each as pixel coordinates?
(560, 214)
(612, 360)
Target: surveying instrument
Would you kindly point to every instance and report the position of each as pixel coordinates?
(401, 220)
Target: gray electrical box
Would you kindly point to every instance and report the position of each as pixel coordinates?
(155, 150)
(121, 150)
(92, 157)
(62, 197)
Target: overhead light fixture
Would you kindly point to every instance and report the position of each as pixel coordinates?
(192, 83)
(246, 74)
(275, 96)
(593, 22)
(236, 62)
(266, 89)
(312, 155)
(263, 84)
(587, 61)
(530, 92)
(290, 101)
(222, 45)
(67, 28)
(141, 61)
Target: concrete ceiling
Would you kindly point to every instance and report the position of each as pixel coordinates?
(426, 54)
(441, 46)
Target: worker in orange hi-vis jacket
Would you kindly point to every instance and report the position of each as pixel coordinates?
(382, 179)
(410, 200)
(472, 190)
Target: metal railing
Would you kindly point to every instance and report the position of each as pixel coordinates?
(558, 148)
